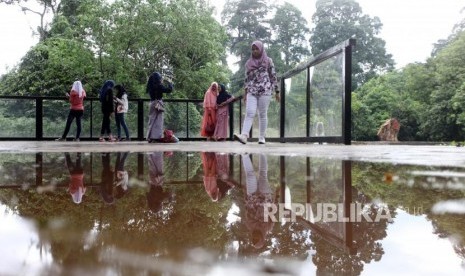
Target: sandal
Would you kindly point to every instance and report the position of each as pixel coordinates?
(101, 139)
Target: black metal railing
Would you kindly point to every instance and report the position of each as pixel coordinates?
(315, 107)
(43, 118)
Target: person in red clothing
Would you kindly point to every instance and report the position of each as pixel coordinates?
(207, 128)
(76, 99)
(76, 175)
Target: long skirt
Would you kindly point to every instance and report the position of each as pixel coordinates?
(208, 122)
(155, 126)
(222, 117)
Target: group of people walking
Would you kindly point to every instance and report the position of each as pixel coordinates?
(260, 83)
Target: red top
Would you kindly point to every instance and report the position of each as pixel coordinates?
(76, 102)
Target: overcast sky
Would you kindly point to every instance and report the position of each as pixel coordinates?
(410, 27)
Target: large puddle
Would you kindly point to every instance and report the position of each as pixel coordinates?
(181, 213)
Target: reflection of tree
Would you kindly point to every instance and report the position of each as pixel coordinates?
(415, 194)
(189, 221)
(450, 226)
(330, 259)
(77, 234)
(23, 174)
(182, 166)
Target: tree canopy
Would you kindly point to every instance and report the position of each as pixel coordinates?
(125, 40)
(338, 20)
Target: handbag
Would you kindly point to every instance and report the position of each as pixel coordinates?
(169, 137)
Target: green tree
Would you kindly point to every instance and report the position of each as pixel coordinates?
(443, 119)
(49, 69)
(338, 20)
(245, 22)
(290, 30)
(129, 39)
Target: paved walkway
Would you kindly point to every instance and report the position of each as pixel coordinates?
(435, 155)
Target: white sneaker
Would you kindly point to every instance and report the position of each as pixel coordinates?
(261, 140)
(241, 138)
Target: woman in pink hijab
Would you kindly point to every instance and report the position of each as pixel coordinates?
(209, 112)
(260, 82)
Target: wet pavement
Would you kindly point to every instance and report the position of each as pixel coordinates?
(436, 155)
(222, 208)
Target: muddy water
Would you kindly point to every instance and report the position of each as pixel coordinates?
(181, 213)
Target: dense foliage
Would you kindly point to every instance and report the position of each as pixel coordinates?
(427, 98)
(125, 40)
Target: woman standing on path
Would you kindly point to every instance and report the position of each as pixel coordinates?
(76, 99)
(106, 99)
(222, 114)
(260, 81)
(207, 128)
(121, 108)
(156, 89)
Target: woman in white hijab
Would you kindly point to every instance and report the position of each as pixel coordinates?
(76, 99)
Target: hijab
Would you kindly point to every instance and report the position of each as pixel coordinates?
(77, 87)
(223, 95)
(120, 91)
(209, 99)
(103, 91)
(255, 63)
(154, 80)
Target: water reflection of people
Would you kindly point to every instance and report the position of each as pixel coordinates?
(216, 174)
(258, 193)
(209, 174)
(122, 176)
(106, 186)
(224, 182)
(76, 175)
(156, 195)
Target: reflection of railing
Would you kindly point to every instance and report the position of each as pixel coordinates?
(339, 232)
(141, 172)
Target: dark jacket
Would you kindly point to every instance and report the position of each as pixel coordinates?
(155, 88)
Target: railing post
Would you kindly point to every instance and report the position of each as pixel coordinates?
(91, 117)
(347, 95)
(140, 120)
(308, 107)
(39, 119)
(282, 110)
(187, 119)
(231, 121)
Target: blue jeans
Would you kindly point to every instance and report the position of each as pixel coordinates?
(119, 118)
